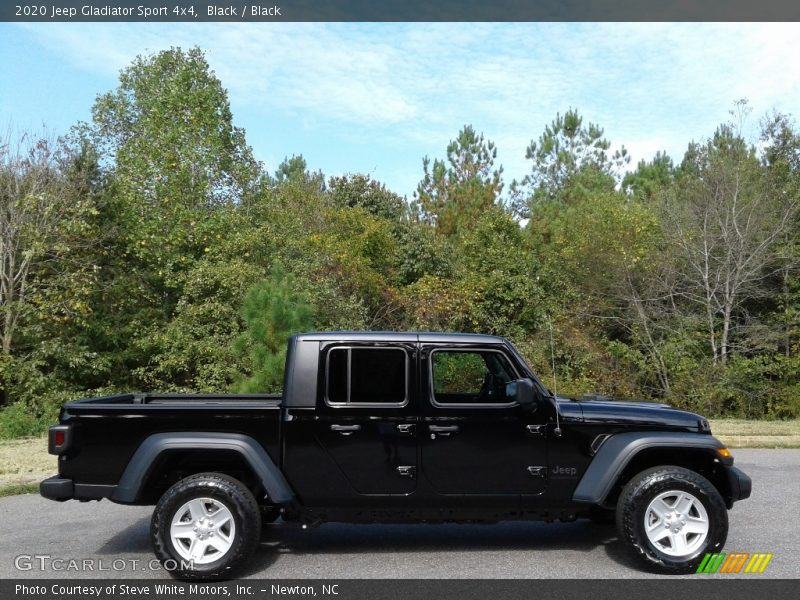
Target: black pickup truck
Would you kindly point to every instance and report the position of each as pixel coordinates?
(397, 427)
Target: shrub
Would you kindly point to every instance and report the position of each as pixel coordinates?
(17, 421)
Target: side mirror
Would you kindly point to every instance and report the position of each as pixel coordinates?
(521, 390)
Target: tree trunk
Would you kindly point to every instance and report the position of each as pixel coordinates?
(726, 327)
(787, 326)
(652, 349)
(712, 335)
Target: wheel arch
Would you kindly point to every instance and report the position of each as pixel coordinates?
(624, 455)
(210, 451)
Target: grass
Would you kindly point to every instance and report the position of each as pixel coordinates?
(25, 462)
(740, 433)
(17, 489)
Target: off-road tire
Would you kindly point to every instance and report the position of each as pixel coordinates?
(235, 496)
(647, 485)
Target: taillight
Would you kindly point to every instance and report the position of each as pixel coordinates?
(59, 439)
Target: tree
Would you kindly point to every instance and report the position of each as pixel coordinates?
(362, 191)
(169, 129)
(566, 148)
(453, 194)
(501, 274)
(724, 221)
(177, 166)
(609, 248)
(272, 313)
(421, 252)
(295, 170)
(194, 351)
(649, 178)
(47, 208)
(781, 158)
(41, 215)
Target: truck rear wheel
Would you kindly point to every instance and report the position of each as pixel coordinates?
(670, 517)
(205, 526)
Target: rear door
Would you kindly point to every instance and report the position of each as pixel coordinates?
(366, 419)
(475, 441)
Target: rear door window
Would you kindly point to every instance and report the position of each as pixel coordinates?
(359, 377)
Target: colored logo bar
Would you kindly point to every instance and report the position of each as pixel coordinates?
(735, 562)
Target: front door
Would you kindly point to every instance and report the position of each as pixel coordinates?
(475, 440)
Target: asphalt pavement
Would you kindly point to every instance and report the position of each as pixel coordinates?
(105, 540)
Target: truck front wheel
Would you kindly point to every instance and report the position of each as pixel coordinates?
(205, 526)
(670, 517)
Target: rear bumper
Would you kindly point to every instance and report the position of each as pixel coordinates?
(57, 488)
(739, 484)
(60, 489)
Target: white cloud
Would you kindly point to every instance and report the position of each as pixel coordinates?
(652, 86)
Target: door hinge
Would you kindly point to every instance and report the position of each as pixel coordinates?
(537, 471)
(407, 471)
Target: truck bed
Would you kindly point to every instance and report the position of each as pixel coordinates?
(109, 429)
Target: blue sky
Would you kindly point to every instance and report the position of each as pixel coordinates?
(375, 98)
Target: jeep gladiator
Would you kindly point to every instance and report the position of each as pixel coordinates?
(397, 427)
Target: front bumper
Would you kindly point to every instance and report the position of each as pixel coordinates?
(739, 484)
(57, 488)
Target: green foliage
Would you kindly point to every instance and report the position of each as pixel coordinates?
(458, 372)
(650, 177)
(361, 191)
(272, 313)
(17, 489)
(17, 420)
(566, 148)
(762, 387)
(180, 168)
(501, 276)
(294, 170)
(435, 303)
(454, 193)
(178, 262)
(37, 396)
(169, 128)
(193, 352)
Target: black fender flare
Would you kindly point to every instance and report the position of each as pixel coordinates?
(130, 485)
(617, 452)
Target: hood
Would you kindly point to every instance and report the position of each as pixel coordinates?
(604, 410)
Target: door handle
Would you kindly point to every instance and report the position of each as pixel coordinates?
(406, 429)
(443, 429)
(407, 471)
(346, 429)
(537, 472)
(537, 429)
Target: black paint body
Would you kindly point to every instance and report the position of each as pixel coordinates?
(418, 461)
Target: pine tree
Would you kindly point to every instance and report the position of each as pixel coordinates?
(454, 194)
(272, 313)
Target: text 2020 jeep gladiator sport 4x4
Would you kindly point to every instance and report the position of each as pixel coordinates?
(397, 427)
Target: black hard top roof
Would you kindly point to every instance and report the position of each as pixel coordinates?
(395, 336)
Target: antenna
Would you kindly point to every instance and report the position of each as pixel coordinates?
(557, 430)
(552, 356)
